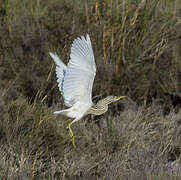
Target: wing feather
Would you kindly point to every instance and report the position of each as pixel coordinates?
(80, 72)
(75, 80)
(60, 70)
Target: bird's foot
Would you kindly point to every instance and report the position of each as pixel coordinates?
(71, 134)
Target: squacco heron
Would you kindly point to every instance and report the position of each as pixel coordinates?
(75, 82)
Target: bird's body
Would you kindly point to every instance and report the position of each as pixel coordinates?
(77, 111)
(75, 82)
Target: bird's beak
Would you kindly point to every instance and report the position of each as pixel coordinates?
(119, 97)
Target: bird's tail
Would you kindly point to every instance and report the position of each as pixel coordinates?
(63, 112)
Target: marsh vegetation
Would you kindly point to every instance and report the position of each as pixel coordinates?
(137, 46)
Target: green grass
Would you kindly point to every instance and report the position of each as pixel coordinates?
(137, 52)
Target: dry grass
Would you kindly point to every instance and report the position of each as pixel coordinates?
(130, 39)
(137, 143)
(137, 50)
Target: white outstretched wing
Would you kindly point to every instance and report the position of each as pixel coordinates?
(76, 79)
(80, 74)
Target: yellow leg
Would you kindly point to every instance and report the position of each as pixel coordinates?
(71, 134)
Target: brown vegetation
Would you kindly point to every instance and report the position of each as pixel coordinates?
(137, 45)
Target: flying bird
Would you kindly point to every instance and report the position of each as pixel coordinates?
(75, 81)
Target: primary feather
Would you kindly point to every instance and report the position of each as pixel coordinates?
(60, 70)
